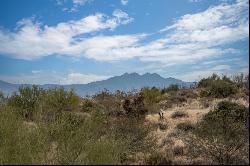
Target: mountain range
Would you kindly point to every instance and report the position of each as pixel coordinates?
(125, 82)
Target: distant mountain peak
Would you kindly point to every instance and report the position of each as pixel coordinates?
(125, 82)
(138, 75)
(152, 74)
(131, 74)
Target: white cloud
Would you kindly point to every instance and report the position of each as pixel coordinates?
(199, 74)
(43, 77)
(196, 75)
(79, 78)
(124, 2)
(122, 16)
(192, 38)
(222, 67)
(75, 4)
(32, 40)
(194, 1)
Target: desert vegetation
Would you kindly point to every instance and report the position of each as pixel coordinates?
(206, 124)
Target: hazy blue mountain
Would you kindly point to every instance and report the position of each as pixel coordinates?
(8, 88)
(125, 82)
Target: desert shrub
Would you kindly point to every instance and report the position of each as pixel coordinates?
(18, 143)
(222, 135)
(87, 105)
(153, 108)
(70, 133)
(2, 99)
(206, 102)
(206, 82)
(157, 158)
(222, 88)
(120, 95)
(178, 150)
(106, 151)
(241, 81)
(179, 114)
(217, 87)
(176, 98)
(82, 140)
(68, 139)
(187, 93)
(54, 102)
(151, 95)
(172, 87)
(108, 103)
(26, 101)
(246, 85)
(30, 101)
(151, 98)
(237, 113)
(135, 107)
(134, 132)
(185, 126)
(163, 125)
(61, 100)
(180, 97)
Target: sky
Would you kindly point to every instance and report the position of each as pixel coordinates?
(80, 41)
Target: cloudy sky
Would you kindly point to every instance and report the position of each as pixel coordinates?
(80, 41)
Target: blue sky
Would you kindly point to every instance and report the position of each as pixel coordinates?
(80, 41)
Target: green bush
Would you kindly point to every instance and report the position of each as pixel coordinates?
(81, 140)
(69, 139)
(106, 151)
(26, 101)
(222, 136)
(151, 95)
(30, 101)
(20, 143)
(170, 88)
(134, 132)
(217, 87)
(61, 100)
(87, 105)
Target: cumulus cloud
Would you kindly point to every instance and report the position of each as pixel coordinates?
(192, 38)
(33, 40)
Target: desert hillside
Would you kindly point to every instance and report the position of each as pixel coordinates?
(206, 124)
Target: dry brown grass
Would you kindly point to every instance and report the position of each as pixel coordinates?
(170, 139)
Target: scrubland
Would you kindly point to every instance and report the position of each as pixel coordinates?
(205, 124)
